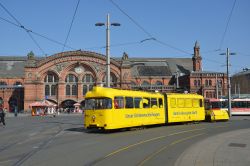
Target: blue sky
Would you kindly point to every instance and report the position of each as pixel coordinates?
(176, 24)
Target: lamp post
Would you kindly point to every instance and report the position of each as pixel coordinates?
(228, 81)
(108, 24)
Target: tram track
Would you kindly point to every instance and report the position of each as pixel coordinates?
(39, 147)
(199, 132)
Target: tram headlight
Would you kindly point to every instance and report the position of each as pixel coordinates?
(93, 117)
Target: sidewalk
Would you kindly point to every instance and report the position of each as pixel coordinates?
(29, 114)
(227, 149)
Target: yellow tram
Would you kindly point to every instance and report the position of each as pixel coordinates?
(108, 108)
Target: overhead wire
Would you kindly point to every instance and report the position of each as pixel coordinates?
(227, 24)
(27, 31)
(145, 31)
(38, 34)
(71, 25)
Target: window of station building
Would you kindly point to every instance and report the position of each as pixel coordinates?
(195, 83)
(219, 82)
(67, 90)
(210, 82)
(74, 90)
(71, 85)
(113, 80)
(18, 83)
(153, 103)
(206, 83)
(53, 90)
(119, 102)
(51, 82)
(47, 90)
(2, 83)
(88, 83)
(138, 102)
(84, 89)
(198, 82)
(145, 83)
(129, 102)
(158, 83)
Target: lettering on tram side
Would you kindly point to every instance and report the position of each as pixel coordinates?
(141, 115)
(185, 113)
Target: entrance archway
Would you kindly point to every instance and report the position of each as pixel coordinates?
(68, 105)
(13, 104)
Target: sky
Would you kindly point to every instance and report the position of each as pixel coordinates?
(149, 29)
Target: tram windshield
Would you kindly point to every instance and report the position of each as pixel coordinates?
(98, 103)
(219, 104)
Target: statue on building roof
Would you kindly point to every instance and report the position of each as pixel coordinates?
(30, 55)
(124, 56)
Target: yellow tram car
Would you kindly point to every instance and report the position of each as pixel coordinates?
(108, 108)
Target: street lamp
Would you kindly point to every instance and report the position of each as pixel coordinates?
(228, 81)
(107, 47)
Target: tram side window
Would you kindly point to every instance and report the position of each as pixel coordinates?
(129, 102)
(146, 102)
(233, 104)
(138, 101)
(197, 104)
(188, 103)
(160, 102)
(224, 104)
(180, 103)
(201, 103)
(207, 104)
(153, 103)
(248, 104)
(119, 102)
(173, 103)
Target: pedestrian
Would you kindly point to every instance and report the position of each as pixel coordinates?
(2, 115)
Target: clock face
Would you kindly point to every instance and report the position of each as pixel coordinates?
(78, 70)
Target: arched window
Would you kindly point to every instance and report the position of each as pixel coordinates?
(145, 83)
(199, 83)
(206, 83)
(88, 83)
(84, 89)
(47, 90)
(71, 85)
(74, 90)
(113, 80)
(67, 90)
(219, 83)
(195, 82)
(18, 83)
(3, 83)
(210, 82)
(53, 90)
(158, 83)
(50, 82)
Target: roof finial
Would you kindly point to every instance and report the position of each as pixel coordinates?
(197, 45)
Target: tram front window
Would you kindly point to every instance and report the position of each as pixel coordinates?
(98, 103)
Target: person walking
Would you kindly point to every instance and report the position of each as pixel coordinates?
(2, 115)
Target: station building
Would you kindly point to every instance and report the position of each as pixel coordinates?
(66, 77)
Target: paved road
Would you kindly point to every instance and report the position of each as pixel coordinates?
(63, 141)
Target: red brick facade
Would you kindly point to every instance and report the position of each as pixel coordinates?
(65, 78)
